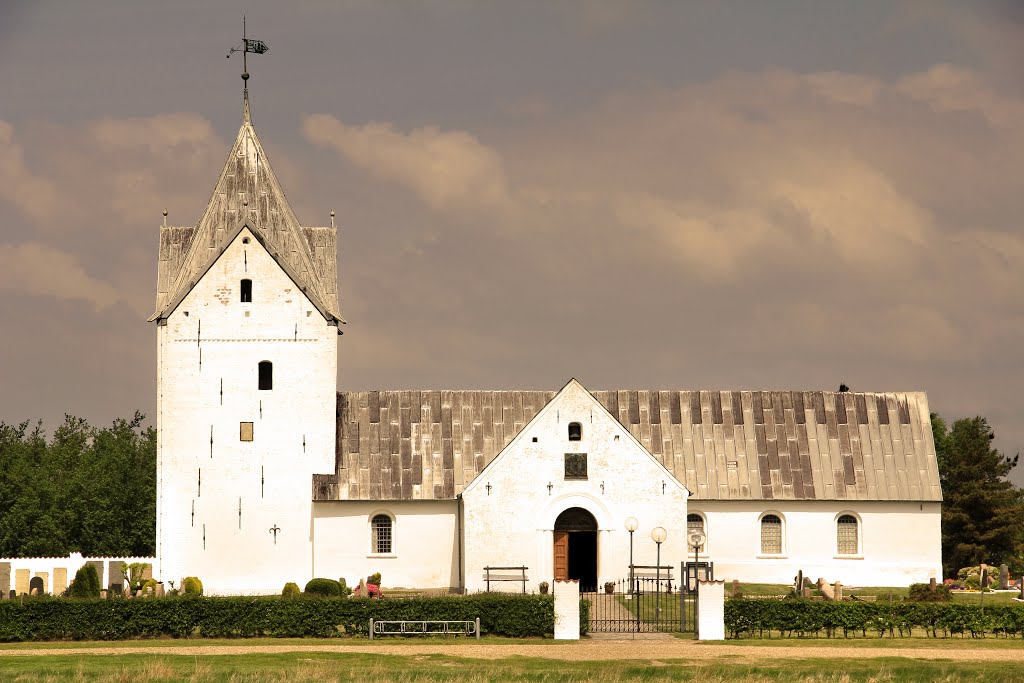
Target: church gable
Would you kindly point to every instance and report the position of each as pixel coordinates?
(248, 192)
(575, 439)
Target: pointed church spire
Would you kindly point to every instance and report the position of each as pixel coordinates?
(307, 254)
(245, 99)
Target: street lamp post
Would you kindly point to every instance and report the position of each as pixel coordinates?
(697, 539)
(658, 535)
(631, 526)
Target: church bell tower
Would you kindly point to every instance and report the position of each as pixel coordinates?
(247, 323)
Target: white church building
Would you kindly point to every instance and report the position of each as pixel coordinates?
(268, 474)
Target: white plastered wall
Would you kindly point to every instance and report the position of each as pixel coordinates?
(899, 542)
(512, 522)
(425, 542)
(207, 383)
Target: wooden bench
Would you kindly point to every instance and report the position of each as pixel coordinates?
(648, 573)
(505, 574)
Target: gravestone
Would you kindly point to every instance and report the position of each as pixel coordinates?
(21, 577)
(36, 586)
(99, 570)
(1004, 577)
(60, 580)
(839, 591)
(5, 579)
(115, 576)
(147, 572)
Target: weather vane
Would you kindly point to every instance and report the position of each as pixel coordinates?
(248, 45)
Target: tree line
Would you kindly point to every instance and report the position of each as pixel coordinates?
(94, 491)
(85, 489)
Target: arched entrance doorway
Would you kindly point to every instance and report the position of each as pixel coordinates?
(575, 547)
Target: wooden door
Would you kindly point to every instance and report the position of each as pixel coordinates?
(561, 555)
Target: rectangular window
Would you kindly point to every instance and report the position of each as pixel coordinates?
(246, 291)
(575, 465)
(245, 431)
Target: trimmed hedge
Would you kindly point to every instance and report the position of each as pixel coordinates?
(500, 614)
(325, 587)
(760, 618)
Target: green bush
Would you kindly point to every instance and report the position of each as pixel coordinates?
(922, 592)
(345, 590)
(501, 614)
(191, 585)
(374, 578)
(761, 618)
(290, 590)
(329, 588)
(149, 583)
(86, 583)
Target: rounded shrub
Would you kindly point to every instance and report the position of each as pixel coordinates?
(149, 583)
(191, 585)
(374, 578)
(345, 590)
(325, 587)
(86, 583)
(290, 590)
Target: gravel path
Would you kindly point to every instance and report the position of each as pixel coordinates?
(581, 651)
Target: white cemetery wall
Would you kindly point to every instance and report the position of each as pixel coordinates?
(237, 513)
(424, 550)
(58, 572)
(898, 543)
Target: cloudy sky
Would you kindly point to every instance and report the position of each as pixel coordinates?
(686, 195)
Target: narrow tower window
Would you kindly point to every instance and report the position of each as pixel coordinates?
(246, 291)
(575, 431)
(266, 375)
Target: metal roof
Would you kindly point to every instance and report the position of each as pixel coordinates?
(723, 445)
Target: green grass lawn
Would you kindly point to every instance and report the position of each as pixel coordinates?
(323, 667)
(916, 642)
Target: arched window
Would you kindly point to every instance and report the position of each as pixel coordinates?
(246, 291)
(771, 535)
(575, 431)
(846, 535)
(266, 375)
(380, 535)
(695, 522)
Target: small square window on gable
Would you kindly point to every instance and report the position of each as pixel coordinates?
(575, 465)
(245, 431)
(246, 291)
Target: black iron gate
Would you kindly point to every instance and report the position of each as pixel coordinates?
(641, 605)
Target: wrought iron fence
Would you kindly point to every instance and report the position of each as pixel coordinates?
(641, 605)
